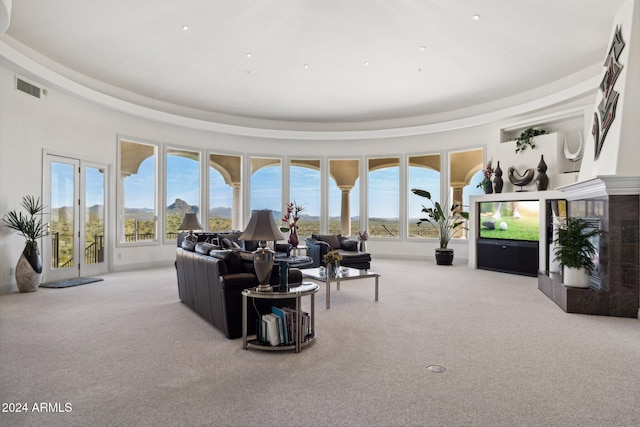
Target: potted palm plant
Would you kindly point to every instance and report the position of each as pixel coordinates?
(32, 228)
(575, 251)
(446, 223)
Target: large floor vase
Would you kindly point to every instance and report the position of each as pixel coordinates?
(444, 256)
(29, 271)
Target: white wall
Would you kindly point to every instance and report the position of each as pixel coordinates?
(73, 121)
(620, 154)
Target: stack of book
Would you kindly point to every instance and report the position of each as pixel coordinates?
(280, 327)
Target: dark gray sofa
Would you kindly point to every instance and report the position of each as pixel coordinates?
(211, 285)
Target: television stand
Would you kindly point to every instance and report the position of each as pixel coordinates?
(508, 256)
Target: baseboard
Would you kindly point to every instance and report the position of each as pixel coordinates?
(8, 288)
(142, 266)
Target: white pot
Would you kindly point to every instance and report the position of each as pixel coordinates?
(575, 277)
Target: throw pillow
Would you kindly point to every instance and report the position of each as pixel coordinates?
(204, 248)
(331, 239)
(188, 245)
(226, 243)
(348, 244)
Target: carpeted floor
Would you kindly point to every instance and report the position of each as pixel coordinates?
(128, 352)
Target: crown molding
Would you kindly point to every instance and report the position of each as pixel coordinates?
(20, 59)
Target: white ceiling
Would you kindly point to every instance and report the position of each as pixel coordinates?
(365, 58)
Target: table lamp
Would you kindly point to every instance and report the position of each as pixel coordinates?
(190, 223)
(262, 227)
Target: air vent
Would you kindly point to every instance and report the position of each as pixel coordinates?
(28, 88)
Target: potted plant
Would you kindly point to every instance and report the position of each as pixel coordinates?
(332, 260)
(524, 139)
(31, 227)
(445, 222)
(486, 184)
(575, 251)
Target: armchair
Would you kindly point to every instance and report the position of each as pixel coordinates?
(318, 245)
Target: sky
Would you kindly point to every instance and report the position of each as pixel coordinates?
(265, 192)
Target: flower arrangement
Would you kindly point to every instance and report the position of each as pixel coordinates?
(486, 175)
(292, 216)
(363, 235)
(332, 258)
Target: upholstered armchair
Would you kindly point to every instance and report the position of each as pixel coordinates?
(319, 244)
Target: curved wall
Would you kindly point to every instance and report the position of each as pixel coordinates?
(73, 121)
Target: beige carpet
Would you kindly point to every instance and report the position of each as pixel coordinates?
(126, 352)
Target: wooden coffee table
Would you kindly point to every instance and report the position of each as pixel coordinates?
(346, 273)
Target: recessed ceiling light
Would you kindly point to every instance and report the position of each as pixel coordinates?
(476, 17)
(422, 48)
(306, 65)
(367, 63)
(248, 54)
(185, 27)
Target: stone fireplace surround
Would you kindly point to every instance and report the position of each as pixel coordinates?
(616, 202)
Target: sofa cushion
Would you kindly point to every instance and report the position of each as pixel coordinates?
(204, 248)
(331, 239)
(232, 261)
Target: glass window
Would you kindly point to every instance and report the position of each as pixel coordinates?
(384, 197)
(138, 183)
(423, 173)
(266, 185)
(304, 184)
(225, 192)
(344, 197)
(182, 188)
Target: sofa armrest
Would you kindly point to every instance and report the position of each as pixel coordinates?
(316, 249)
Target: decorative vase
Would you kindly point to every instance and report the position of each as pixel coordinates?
(498, 182)
(542, 180)
(363, 246)
(444, 256)
(283, 276)
(333, 268)
(293, 237)
(487, 186)
(29, 270)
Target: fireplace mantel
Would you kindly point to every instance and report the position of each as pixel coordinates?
(602, 186)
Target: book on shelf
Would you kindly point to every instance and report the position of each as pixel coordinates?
(282, 318)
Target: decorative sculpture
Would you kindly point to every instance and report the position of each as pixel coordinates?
(577, 156)
(542, 180)
(520, 180)
(498, 182)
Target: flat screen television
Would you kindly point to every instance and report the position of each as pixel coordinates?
(509, 220)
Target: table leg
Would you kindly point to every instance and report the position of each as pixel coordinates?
(328, 292)
(299, 323)
(376, 288)
(244, 322)
(313, 314)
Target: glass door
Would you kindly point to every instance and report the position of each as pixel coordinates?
(75, 200)
(93, 219)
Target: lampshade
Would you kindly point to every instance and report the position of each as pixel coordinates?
(262, 227)
(190, 223)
